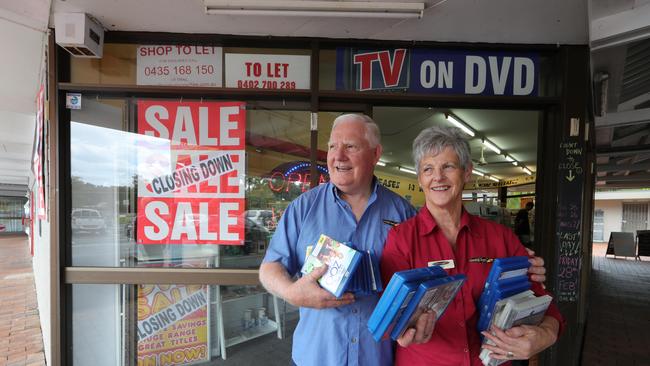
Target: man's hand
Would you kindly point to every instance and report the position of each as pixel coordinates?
(306, 292)
(422, 332)
(536, 270)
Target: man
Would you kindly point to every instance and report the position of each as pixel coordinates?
(522, 225)
(354, 208)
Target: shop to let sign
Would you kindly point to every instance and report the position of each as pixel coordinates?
(179, 65)
(252, 71)
(190, 173)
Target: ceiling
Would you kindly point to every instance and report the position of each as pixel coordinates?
(509, 130)
(612, 28)
(620, 61)
(22, 36)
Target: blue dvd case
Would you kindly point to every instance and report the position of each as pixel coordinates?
(392, 289)
(400, 302)
(503, 268)
(434, 294)
(503, 289)
(367, 279)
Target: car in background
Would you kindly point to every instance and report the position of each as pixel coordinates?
(88, 219)
(3, 227)
(263, 218)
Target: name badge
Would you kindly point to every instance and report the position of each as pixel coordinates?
(446, 264)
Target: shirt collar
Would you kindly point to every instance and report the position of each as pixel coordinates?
(427, 224)
(373, 195)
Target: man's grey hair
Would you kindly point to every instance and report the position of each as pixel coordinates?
(373, 136)
(432, 140)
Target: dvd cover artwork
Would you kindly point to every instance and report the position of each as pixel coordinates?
(433, 295)
(341, 260)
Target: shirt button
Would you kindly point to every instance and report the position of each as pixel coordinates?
(465, 350)
(354, 340)
(354, 311)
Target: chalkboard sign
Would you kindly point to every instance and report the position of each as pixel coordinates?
(569, 219)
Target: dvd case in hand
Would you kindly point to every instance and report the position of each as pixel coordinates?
(501, 290)
(519, 309)
(509, 276)
(400, 302)
(395, 298)
(430, 295)
(366, 279)
(341, 260)
(504, 268)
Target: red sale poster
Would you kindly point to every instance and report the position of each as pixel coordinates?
(191, 163)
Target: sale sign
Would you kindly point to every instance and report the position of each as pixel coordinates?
(253, 71)
(172, 324)
(191, 172)
(179, 65)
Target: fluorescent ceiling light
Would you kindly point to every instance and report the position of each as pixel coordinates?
(460, 125)
(511, 160)
(527, 170)
(354, 9)
(493, 178)
(492, 146)
(401, 168)
(381, 163)
(474, 171)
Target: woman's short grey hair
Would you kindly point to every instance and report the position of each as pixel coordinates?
(432, 140)
(373, 136)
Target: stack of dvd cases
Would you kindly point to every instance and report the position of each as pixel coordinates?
(519, 309)
(408, 294)
(507, 300)
(367, 279)
(508, 277)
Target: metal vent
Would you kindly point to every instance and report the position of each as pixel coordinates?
(636, 75)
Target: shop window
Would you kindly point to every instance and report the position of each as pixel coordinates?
(12, 215)
(177, 325)
(125, 213)
(113, 169)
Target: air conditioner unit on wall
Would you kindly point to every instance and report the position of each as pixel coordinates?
(79, 34)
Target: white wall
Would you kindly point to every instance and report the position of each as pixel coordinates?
(42, 263)
(613, 213)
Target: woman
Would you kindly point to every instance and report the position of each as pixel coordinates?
(444, 230)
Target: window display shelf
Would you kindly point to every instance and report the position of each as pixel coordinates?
(240, 300)
(234, 297)
(254, 332)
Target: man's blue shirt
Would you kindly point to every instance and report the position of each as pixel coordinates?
(336, 336)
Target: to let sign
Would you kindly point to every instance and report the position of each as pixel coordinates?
(179, 65)
(252, 71)
(190, 172)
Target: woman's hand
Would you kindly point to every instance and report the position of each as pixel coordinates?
(522, 342)
(536, 270)
(422, 332)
